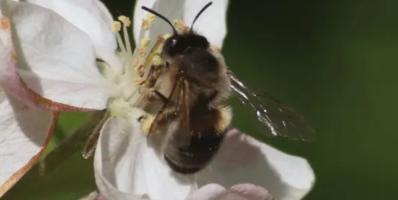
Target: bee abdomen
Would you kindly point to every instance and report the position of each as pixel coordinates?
(189, 152)
(195, 156)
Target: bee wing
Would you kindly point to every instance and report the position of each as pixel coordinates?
(184, 106)
(177, 100)
(276, 117)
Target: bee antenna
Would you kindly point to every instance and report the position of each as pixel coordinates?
(162, 17)
(199, 13)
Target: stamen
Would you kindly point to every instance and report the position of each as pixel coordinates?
(144, 43)
(139, 81)
(127, 40)
(125, 20)
(147, 21)
(126, 23)
(116, 26)
(180, 26)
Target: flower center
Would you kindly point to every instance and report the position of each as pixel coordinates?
(131, 76)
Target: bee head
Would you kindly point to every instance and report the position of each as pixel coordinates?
(180, 43)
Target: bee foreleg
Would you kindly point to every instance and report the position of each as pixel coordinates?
(162, 97)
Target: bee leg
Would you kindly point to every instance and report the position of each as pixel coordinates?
(162, 97)
(146, 123)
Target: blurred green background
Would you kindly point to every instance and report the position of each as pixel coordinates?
(334, 61)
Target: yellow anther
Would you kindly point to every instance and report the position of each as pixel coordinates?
(147, 21)
(125, 20)
(139, 81)
(116, 26)
(150, 17)
(137, 65)
(180, 25)
(145, 25)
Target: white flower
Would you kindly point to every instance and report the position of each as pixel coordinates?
(25, 121)
(56, 44)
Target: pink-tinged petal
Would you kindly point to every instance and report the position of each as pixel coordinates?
(24, 134)
(90, 16)
(55, 59)
(127, 168)
(208, 192)
(10, 80)
(211, 24)
(243, 159)
(246, 191)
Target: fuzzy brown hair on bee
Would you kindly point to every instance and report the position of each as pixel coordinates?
(184, 95)
(191, 83)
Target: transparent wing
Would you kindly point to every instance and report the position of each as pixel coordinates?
(175, 108)
(277, 118)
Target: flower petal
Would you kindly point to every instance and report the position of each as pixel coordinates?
(211, 24)
(127, 168)
(243, 159)
(10, 80)
(90, 16)
(210, 191)
(56, 59)
(24, 134)
(246, 191)
(139, 16)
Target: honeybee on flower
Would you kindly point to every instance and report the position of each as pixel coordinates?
(66, 53)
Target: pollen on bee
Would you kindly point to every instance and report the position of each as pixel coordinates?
(225, 119)
(146, 123)
(156, 60)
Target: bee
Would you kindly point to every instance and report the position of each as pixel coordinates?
(188, 91)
